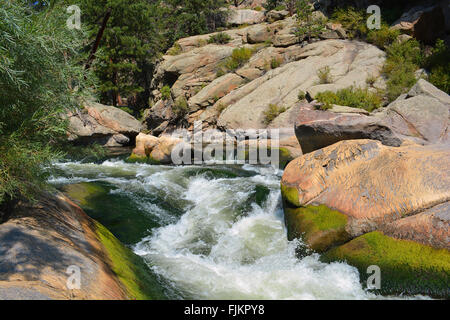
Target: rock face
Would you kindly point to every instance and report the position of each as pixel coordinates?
(106, 125)
(245, 16)
(363, 190)
(40, 242)
(421, 116)
(350, 63)
(425, 23)
(195, 72)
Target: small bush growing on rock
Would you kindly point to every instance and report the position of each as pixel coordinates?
(165, 93)
(275, 63)
(371, 79)
(402, 60)
(180, 107)
(307, 26)
(127, 110)
(219, 38)
(324, 75)
(175, 50)
(355, 22)
(238, 58)
(383, 37)
(351, 97)
(301, 95)
(272, 112)
(439, 65)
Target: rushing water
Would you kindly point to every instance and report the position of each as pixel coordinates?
(210, 232)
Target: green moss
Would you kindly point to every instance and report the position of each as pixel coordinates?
(290, 194)
(83, 193)
(134, 158)
(128, 267)
(285, 157)
(406, 266)
(319, 226)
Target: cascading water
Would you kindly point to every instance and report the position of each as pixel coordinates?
(211, 232)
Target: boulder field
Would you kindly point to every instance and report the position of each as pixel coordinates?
(42, 243)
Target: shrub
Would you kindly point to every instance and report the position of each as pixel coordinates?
(307, 26)
(351, 97)
(353, 20)
(383, 37)
(175, 50)
(238, 58)
(38, 61)
(219, 38)
(324, 75)
(275, 63)
(180, 107)
(272, 112)
(402, 60)
(371, 79)
(301, 95)
(127, 110)
(165, 93)
(439, 65)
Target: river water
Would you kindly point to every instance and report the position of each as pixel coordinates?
(210, 232)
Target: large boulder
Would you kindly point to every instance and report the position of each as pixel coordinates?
(420, 116)
(43, 244)
(245, 16)
(106, 125)
(425, 23)
(370, 204)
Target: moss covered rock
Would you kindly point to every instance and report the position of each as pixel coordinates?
(131, 271)
(406, 266)
(318, 226)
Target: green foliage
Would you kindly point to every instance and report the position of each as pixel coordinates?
(39, 69)
(219, 38)
(307, 26)
(324, 75)
(402, 60)
(355, 22)
(180, 107)
(175, 50)
(129, 47)
(275, 63)
(272, 112)
(301, 95)
(165, 93)
(439, 65)
(238, 58)
(351, 97)
(383, 37)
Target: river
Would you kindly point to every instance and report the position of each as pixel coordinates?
(209, 232)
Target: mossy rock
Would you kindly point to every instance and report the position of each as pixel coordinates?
(134, 158)
(84, 192)
(407, 267)
(129, 268)
(318, 226)
(290, 195)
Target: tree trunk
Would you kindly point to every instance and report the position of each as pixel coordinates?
(98, 39)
